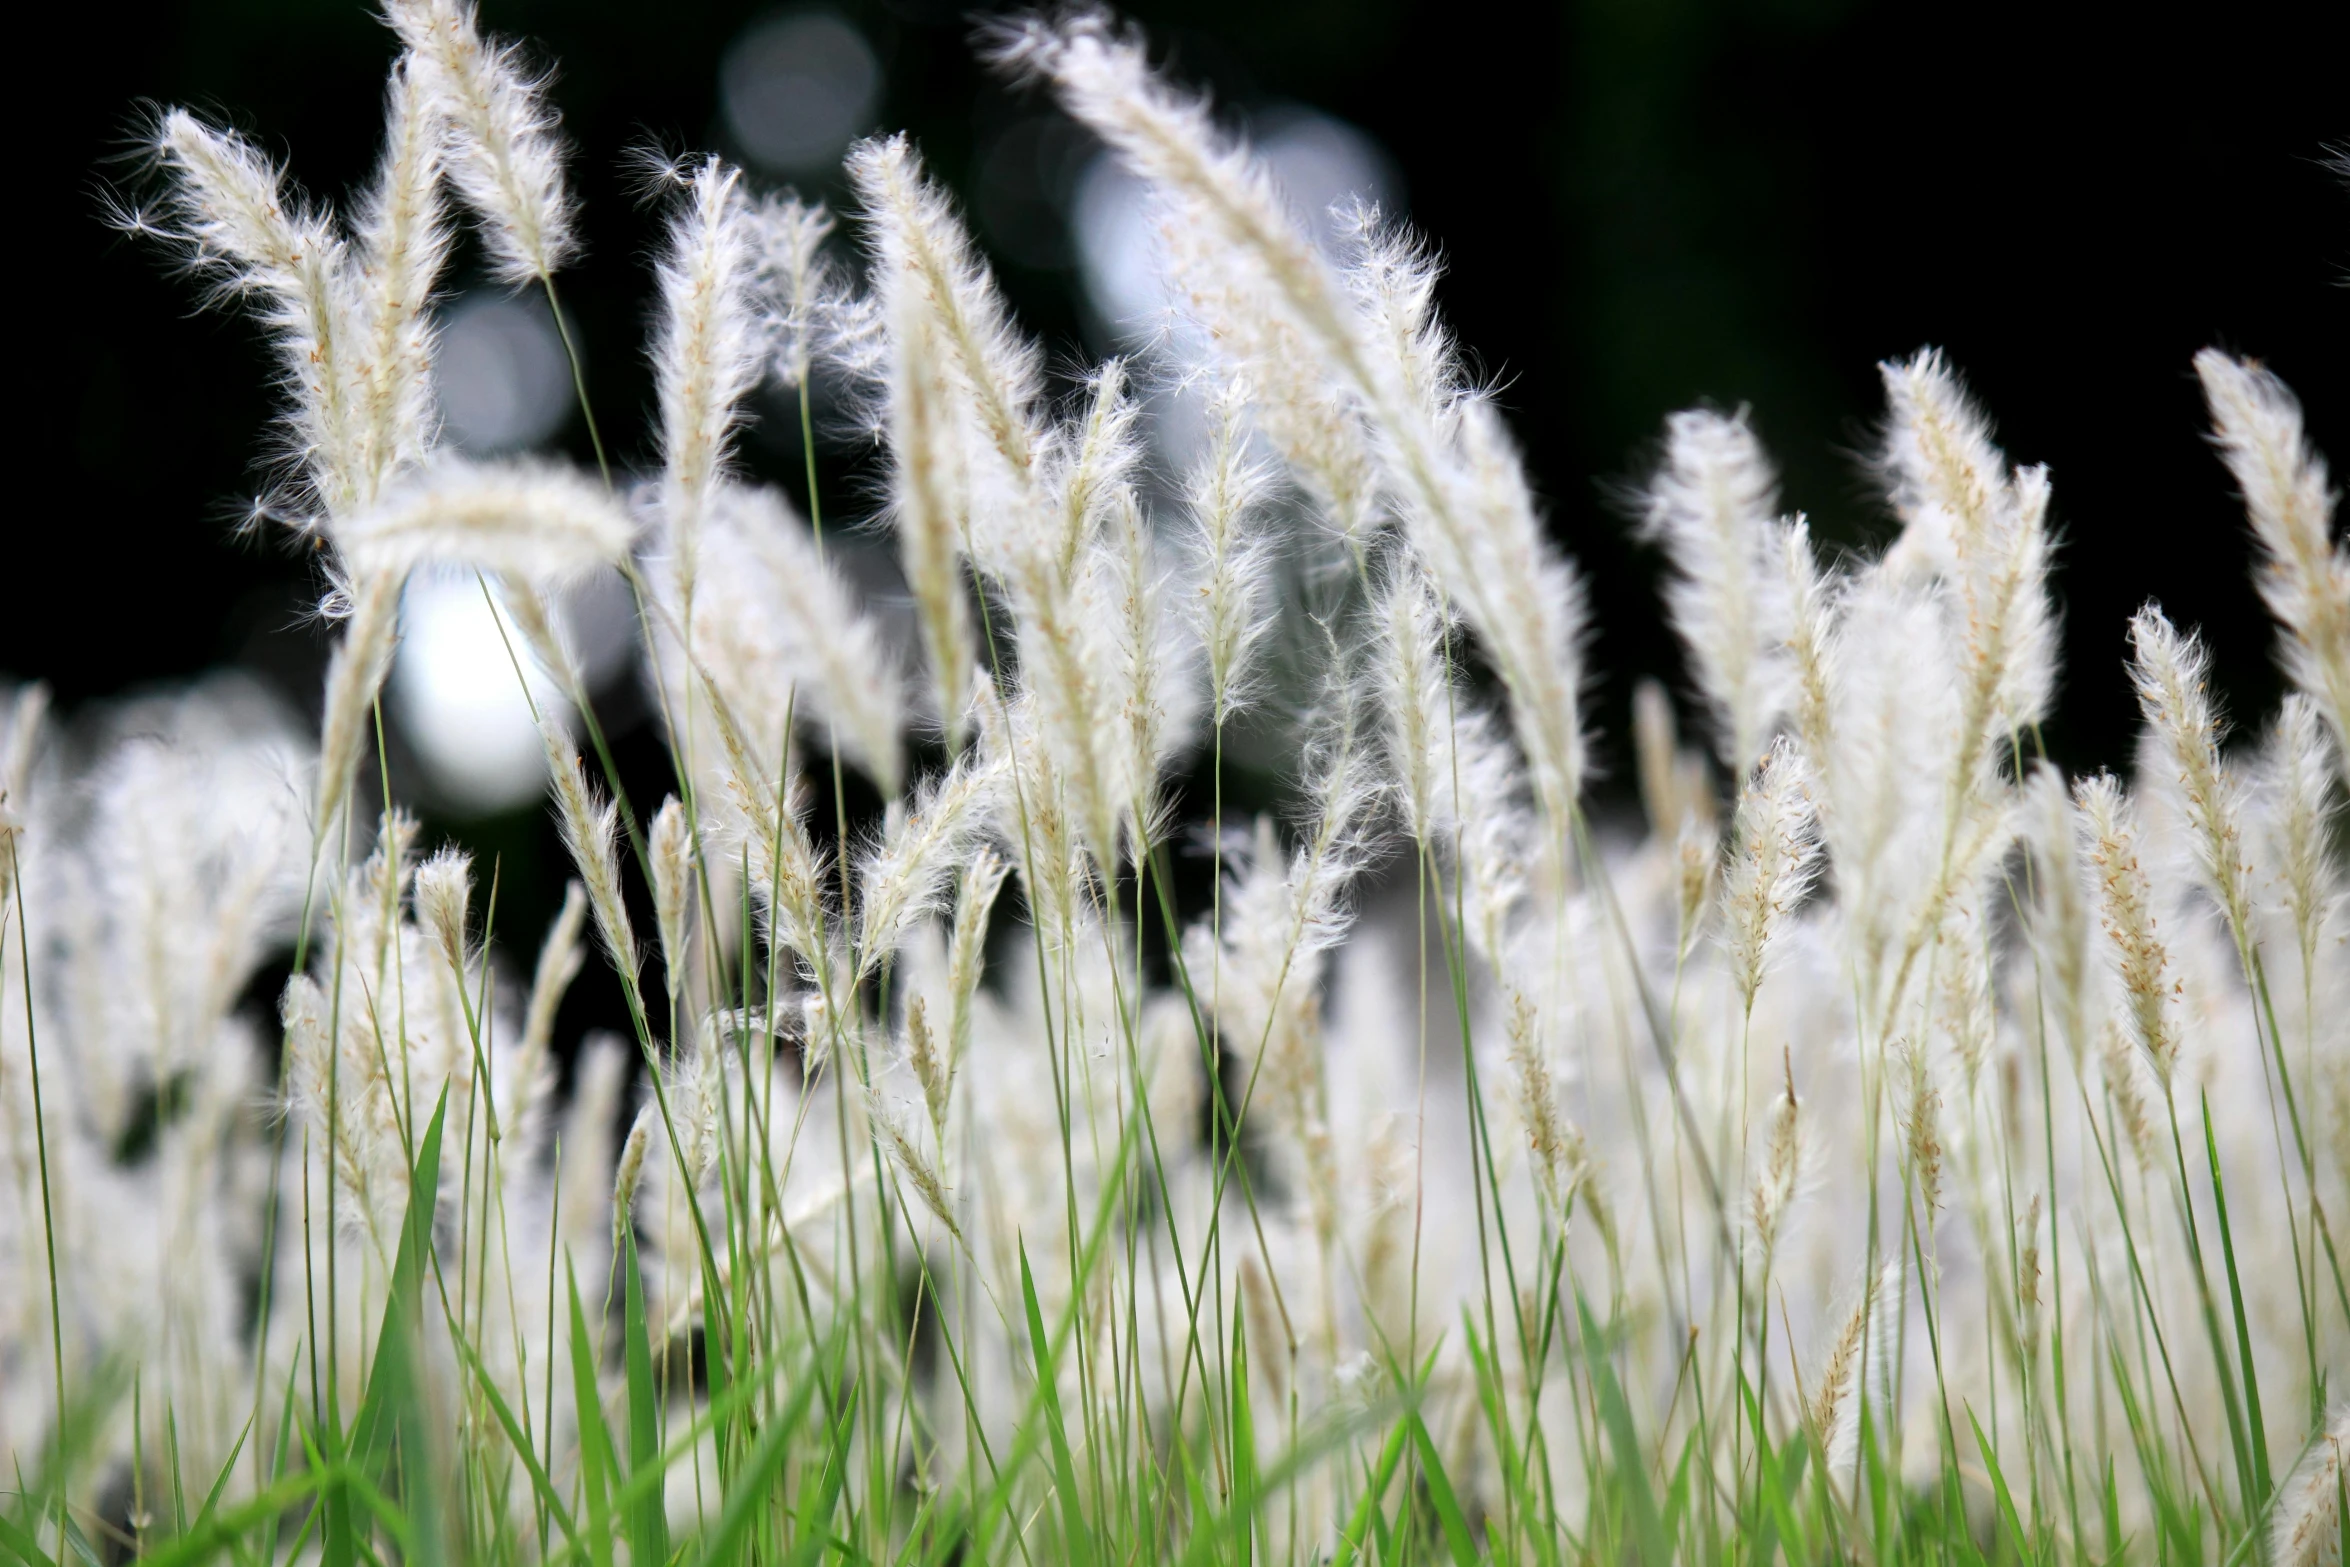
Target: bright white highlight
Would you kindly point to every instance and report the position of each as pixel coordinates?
(500, 375)
(457, 701)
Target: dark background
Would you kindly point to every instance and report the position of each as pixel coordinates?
(1643, 203)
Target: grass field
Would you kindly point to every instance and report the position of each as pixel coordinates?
(1886, 1150)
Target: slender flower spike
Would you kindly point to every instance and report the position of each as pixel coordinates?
(591, 829)
(2308, 1528)
(1774, 855)
(2125, 900)
(2172, 676)
(1712, 506)
(2305, 571)
(708, 350)
(403, 244)
(444, 888)
(1773, 1190)
(798, 292)
(1235, 558)
(505, 156)
(672, 861)
(353, 677)
(230, 212)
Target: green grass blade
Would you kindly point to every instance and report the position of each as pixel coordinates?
(1079, 1542)
(2256, 1433)
(23, 1544)
(1440, 1493)
(1639, 1498)
(755, 1479)
(648, 1522)
(2008, 1519)
(595, 1442)
(518, 1439)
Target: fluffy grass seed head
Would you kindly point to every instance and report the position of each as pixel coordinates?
(403, 243)
(673, 885)
(230, 214)
(709, 350)
(354, 674)
(1712, 505)
(1774, 855)
(504, 156)
(2125, 900)
(591, 831)
(1771, 1193)
(2304, 570)
(1226, 498)
(534, 521)
(2172, 676)
(2308, 1528)
(443, 893)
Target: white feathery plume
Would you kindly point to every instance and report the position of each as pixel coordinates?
(1416, 698)
(799, 292)
(924, 264)
(982, 878)
(1811, 629)
(2308, 1529)
(2304, 571)
(1712, 505)
(1235, 557)
(1168, 138)
(786, 872)
(591, 831)
(354, 674)
(1157, 697)
(1774, 855)
(531, 520)
(1095, 462)
(778, 627)
(929, 505)
(1463, 495)
(630, 1172)
(2300, 813)
(708, 350)
(443, 892)
(559, 963)
(1523, 601)
(403, 244)
(1068, 666)
(1971, 524)
(2060, 924)
(1772, 1190)
(231, 212)
(1446, 457)
(26, 709)
(505, 156)
(904, 877)
(2125, 900)
(2172, 676)
(672, 852)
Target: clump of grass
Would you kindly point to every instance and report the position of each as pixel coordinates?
(1914, 1171)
